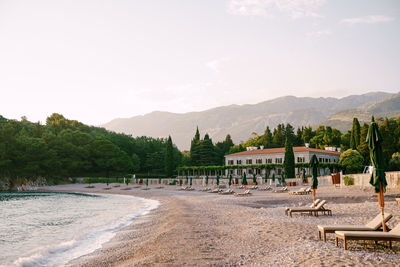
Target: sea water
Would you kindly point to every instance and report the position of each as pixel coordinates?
(51, 229)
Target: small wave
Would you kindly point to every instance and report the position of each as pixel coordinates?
(64, 252)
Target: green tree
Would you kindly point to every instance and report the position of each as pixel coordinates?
(355, 134)
(289, 164)
(169, 158)
(195, 149)
(394, 163)
(352, 161)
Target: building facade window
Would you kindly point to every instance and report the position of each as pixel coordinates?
(239, 172)
(249, 161)
(301, 159)
(268, 161)
(258, 161)
(230, 162)
(278, 160)
(239, 162)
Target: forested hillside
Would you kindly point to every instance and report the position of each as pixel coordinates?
(65, 148)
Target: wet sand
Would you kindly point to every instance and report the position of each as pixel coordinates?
(192, 228)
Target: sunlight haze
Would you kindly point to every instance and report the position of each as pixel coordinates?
(94, 61)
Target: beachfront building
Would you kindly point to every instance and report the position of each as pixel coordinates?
(255, 156)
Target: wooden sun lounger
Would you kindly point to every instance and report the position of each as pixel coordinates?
(311, 205)
(281, 190)
(245, 193)
(392, 235)
(267, 188)
(373, 225)
(227, 192)
(301, 191)
(312, 211)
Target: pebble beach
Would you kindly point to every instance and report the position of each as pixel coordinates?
(194, 228)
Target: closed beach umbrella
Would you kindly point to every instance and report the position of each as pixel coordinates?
(273, 177)
(314, 182)
(207, 180)
(266, 176)
(147, 181)
(187, 179)
(244, 180)
(159, 180)
(304, 176)
(283, 178)
(217, 179)
(190, 181)
(254, 178)
(378, 179)
(230, 180)
(136, 180)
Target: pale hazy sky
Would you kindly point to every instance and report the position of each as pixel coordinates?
(98, 60)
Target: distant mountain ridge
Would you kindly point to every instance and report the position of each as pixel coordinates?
(241, 120)
(389, 107)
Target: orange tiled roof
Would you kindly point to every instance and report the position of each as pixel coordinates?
(282, 150)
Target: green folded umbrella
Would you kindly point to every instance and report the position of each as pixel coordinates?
(244, 180)
(273, 177)
(304, 176)
(217, 179)
(254, 178)
(207, 180)
(159, 180)
(314, 182)
(314, 166)
(147, 181)
(378, 178)
(187, 179)
(190, 181)
(230, 180)
(266, 176)
(283, 177)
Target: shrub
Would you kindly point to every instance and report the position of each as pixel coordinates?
(348, 180)
(352, 161)
(394, 163)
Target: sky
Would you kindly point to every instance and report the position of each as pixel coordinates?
(97, 60)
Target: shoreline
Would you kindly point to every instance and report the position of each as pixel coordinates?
(196, 228)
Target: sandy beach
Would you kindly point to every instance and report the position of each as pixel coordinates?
(192, 228)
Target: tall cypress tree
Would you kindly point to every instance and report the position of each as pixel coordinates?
(355, 134)
(195, 149)
(169, 158)
(207, 152)
(289, 159)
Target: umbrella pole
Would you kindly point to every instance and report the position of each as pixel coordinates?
(381, 200)
(314, 192)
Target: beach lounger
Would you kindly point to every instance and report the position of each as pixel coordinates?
(281, 190)
(392, 235)
(267, 188)
(205, 189)
(301, 191)
(397, 201)
(312, 211)
(311, 206)
(227, 192)
(254, 187)
(217, 190)
(373, 225)
(245, 193)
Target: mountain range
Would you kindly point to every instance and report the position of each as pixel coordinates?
(241, 120)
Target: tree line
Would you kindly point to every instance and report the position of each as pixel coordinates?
(204, 153)
(67, 148)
